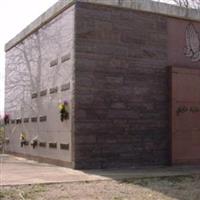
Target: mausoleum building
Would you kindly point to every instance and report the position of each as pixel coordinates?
(105, 84)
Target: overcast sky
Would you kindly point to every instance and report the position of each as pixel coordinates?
(14, 16)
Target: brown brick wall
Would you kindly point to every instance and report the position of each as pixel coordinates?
(121, 97)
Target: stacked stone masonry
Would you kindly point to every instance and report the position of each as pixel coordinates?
(122, 96)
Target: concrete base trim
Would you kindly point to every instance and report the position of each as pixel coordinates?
(43, 159)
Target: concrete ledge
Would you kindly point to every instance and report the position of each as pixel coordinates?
(52, 12)
(141, 5)
(43, 159)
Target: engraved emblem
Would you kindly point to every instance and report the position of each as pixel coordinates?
(192, 48)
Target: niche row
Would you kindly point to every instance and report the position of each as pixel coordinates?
(53, 90)
(63, 59)
(51, 145)
(27, 120)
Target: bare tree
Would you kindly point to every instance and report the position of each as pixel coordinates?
(188, 3)
(25, 66)
(195, 4)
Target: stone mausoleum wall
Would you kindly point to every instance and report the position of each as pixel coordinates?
(122, 91)
(39, 77)
(110, 61)
(123, 59)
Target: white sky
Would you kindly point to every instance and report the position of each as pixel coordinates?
(15, 15)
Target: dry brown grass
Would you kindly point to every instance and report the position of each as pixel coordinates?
(168, 188)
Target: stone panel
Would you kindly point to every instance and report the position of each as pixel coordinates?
(35, 73)
(121, 111)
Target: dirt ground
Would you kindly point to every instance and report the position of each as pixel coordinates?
(168, 188)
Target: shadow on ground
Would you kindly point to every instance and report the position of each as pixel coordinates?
(180, 183)
(174, 187)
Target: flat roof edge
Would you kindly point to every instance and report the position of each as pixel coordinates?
(151, 6)
(52, 12)
(140, 5)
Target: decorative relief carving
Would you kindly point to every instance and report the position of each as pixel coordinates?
(64, 146)
(34, 119)
(65, 87)
(43, 93)
(26, 120)
(43, 118)
(53, 145)
(42, 144)
(53, 90)
(54, 62)
(192, 48)
(65, 57)
(34, 95)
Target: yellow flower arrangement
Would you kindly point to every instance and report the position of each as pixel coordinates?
(64, 111)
